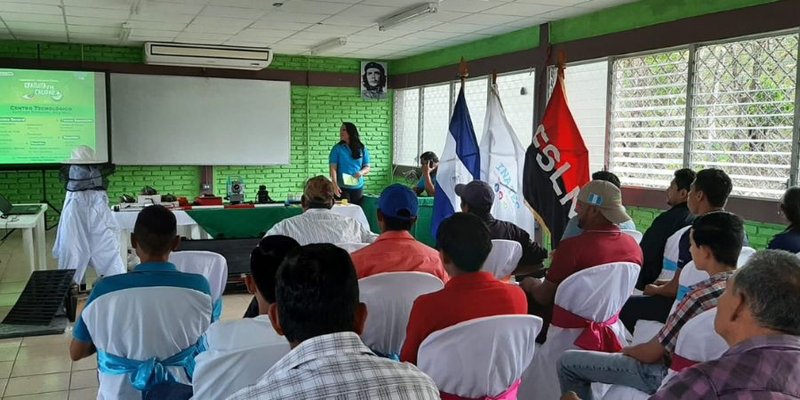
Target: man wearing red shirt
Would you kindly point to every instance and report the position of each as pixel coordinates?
(599, 210)
(464, 243)
(396, 250)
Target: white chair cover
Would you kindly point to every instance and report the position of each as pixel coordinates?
(219, 374)
(690, 275)
(697, 341)
(207, 263)
(503, 258)
(389, 297)
(480, 357)
(671, 249)
(636, 235)
(745, 255)
(596, 293)
(155, 321)
(351, 247)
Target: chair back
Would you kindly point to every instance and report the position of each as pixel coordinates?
(159, 321)
(698, 341)
(744, 255)
(636, 235)
(207, 263)
(503, 258)
(389, 297)
(671, 251)
(219, 374)
(596, 294)
(480, 357)
(351, 247)
(690, 276)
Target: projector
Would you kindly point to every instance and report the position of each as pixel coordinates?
(235, 190)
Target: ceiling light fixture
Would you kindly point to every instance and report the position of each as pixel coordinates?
(330, 44)
(125, 32)
(408, 15)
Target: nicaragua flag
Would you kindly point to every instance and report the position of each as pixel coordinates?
(460, 163)
(502, 163)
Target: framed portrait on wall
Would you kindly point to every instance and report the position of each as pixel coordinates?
(373, 80)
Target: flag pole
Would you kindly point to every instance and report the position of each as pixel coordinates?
(463, 71)
(494, 77)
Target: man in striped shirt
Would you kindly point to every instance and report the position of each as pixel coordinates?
(716, 240)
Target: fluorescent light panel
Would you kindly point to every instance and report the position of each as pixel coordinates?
(408, 15)
(330, 44)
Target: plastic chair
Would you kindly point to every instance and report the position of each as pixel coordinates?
(503, 258)
(219, 374)
(744, 255)
(389, 297)
(351, 247)
(636, 235)
(480, 357)
(595, 294)
(209, 264)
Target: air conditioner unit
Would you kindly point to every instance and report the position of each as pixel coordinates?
(207, 56)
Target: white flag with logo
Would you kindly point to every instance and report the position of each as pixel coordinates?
(502, 162)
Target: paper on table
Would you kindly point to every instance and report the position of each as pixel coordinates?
(349, 180)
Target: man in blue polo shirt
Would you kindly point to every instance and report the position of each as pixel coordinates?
(144, 325)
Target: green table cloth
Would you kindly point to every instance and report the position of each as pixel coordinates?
(241, 223)
(421, 230)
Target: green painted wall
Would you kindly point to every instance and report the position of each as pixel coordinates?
(523, 39)
(317, 113)
(639, 14)
(759, 233)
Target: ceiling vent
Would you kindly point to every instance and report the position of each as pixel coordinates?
(207, 56)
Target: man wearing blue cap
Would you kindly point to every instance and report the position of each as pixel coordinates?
(396, 250)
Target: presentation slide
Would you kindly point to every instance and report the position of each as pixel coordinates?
(44, 115)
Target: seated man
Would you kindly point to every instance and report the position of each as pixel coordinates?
(716, 240)
(572, 229)
(317, 223)
(599, 209)
(665, 225)
(464, 244)
(153, 312)
(477, 198)
(317, 309)
(396, 250)
(708, 193)
(429, 163)
(247, 333)
(759, 317)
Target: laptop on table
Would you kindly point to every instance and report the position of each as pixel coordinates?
(6, 208)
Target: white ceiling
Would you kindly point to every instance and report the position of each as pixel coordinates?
(292, 28)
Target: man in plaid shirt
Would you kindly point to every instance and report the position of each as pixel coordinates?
(716, 240)
(318, 311)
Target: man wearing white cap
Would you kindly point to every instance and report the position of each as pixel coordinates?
(87, 234)
(599, 211)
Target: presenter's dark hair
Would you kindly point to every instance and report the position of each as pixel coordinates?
(155, 229)
(381, 83)
(265, 260)
(428, 156)
(316, 292)
(356, 146)
(466, 240)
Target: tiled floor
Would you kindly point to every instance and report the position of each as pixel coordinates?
(39, 367)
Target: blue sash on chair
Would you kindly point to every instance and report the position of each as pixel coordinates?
(217, 311)
(145, 374)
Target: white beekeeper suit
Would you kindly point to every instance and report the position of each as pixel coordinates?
(87, 234)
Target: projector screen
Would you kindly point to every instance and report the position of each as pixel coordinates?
(185, 120)
(44, 115)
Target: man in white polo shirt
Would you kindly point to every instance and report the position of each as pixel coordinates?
(317, 223)
(145, 324)
(245, 348)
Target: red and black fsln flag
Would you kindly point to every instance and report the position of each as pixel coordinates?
(556, 166)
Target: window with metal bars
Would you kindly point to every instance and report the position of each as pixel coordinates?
(743, 106)
(648, 117)
(422, 115)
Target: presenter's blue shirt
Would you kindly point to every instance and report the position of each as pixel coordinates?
(342, 158)
(421, 183)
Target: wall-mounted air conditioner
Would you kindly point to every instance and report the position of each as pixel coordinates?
(207, 56)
